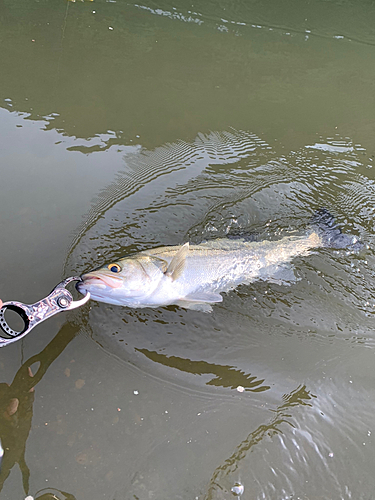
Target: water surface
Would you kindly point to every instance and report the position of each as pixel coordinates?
(129, 126)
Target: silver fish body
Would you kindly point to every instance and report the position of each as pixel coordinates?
(193, 276)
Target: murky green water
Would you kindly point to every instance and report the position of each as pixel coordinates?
(128, 126)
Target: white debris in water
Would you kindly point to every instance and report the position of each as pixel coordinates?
(136, 393)
(240, 388)
(238, 489)
(29, 497)
(330, 455)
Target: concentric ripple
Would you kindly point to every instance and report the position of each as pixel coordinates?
(222, 184)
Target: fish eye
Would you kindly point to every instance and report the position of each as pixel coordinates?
(115, 268)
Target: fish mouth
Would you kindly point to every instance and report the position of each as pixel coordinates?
(101, 281)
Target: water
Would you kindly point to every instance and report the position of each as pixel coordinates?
(128, 126)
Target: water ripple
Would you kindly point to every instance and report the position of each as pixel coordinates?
(228, 183)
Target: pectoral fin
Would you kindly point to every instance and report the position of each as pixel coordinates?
(195, 306)
(203, 297)
(199, 301)
(161, 264)
(178, 262)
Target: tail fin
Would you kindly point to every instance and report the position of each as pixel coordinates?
(332, 237)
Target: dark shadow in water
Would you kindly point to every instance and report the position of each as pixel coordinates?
(16, 406)
(225, 375)
(299, 397)
(53, 494)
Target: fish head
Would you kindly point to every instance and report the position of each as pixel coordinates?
(123, 282)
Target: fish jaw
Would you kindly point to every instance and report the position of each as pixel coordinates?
(101, 292)
(102, 281)
(102, 288)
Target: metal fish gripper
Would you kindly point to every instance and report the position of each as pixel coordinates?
(60, 299)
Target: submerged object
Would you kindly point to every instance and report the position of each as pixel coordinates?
(193, 276)
(238, 489)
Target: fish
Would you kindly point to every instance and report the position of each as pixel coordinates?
(194, 276)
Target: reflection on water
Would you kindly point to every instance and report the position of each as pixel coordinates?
(217, 119)
(167, 71)
(238, 362)
(234, 183)
(15, 427)
(225, 376)
(276, 458)
(281, 415)
(16, 406)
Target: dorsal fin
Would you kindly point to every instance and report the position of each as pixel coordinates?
(177, 264)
